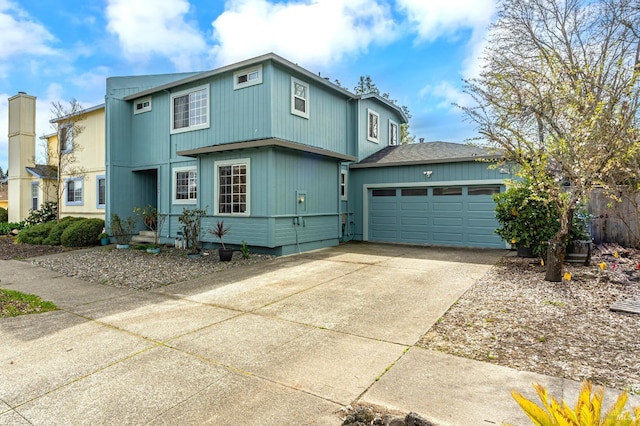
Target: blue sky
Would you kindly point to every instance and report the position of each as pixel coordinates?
(416, 50)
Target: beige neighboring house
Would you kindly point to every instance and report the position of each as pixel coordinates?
(30, 185)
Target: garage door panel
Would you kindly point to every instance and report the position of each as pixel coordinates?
(411, 217)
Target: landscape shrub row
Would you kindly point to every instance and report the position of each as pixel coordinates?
(69, 232)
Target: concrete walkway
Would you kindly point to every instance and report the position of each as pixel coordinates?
(287, 342)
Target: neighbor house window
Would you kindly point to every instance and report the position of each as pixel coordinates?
(142, 105)
(372, 125)
(190, 109)
(343, 185)
(232, 182)
(185, 185)
(66, 138)
(101, 192)
(74, 192)
(299, 98)
(247, 77)
(34, 196)
(393, 133)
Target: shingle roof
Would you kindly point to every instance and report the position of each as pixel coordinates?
(43, 171)
(424, 153)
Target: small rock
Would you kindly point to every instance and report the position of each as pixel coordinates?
(414, 419)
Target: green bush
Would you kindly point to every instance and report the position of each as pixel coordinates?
(46, 213)
(36, 234)
(82, 233)
(56, 233)
(4, 215)
(7, 227)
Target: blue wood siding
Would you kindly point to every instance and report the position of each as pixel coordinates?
(329, 115)
(365, 146)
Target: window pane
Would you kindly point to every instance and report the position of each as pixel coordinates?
(483, 190)
(232, 182)
(187, 185)
(102, 191)
(373, 126)
(453, 190)
(181, 112)
(414, 192)
(383, 192)
(300, 104)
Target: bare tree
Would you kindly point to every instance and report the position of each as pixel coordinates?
(61, 158)
(559, 95)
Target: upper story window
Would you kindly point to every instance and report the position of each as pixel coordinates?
(299, 98)
(190, 109)
(247, 77)
(185, 185)
(142, 105)
(343, 185)
(66, 138)
(373, 127)
(393, 133)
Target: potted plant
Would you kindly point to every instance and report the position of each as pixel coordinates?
(190, 220)
(220, 231)
(122, 230)
(153, 220)
(103, 237)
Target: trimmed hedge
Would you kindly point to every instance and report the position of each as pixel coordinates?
(56, 233)
(82, 233)
(4, 215)
(36, 234)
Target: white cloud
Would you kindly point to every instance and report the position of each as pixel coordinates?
(450, 95)
(318, 32)
(434, 18)
(150, 27)
(21, 34)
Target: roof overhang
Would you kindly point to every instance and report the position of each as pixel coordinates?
(77, 113)
(484, 158)
(43, 172)
(239, 65)
(271, 142)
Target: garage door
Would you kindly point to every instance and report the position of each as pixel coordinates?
(452, 216)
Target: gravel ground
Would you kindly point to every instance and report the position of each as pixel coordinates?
(137, 269)
(514, 318)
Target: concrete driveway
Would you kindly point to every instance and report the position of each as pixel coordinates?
(289, 341)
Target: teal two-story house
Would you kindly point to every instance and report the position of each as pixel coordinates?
(289, 160)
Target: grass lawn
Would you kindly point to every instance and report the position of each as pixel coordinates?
(14, 303)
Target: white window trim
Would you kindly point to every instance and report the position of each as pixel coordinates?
(247, 72)
(204, 125)
(98, 179)
(370, 113)
(346, 183)
(294, 111)
(66, 192)
(174, 175)
(391, 124)
(37, 197)
(141, 101)
(235, 162)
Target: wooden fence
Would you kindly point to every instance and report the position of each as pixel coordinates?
(615, 222)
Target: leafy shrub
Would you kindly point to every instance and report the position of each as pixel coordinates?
(586, 413)
(36, 234)
(7, 227)
(56, 233)
(4, 215)
(82, 233)
(46, 213)
(530, 220)
(122, 230)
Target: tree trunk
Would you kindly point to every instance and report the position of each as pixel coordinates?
(555, 257)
